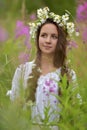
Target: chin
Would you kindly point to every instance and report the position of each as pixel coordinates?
(47, 52)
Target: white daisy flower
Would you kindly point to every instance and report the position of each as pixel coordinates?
(77, 33)
(43, 14)
(65, 17)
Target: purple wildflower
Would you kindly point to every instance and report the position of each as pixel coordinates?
(28, 45)
(33, 16)
(3, 34)
(23, 30)
(72, 44)
(82, 12)
(84, 35)
(19, 23)
(23, 57)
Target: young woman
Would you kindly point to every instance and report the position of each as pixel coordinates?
(40, 78)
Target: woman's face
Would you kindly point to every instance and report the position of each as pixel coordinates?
(48, 39)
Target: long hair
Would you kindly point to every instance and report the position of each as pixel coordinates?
(58, 61)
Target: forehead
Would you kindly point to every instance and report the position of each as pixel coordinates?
(49, 28)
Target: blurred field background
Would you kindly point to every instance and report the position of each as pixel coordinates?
(16, 48)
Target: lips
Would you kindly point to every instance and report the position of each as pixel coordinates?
(47, 47)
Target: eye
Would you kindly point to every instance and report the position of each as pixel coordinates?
(43, 35)
(54, 36)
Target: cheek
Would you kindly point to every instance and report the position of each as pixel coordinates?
(40, 41)
(55, 44)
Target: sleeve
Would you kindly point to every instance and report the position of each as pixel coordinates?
(14, 92)
(19, 81)
(75, 86)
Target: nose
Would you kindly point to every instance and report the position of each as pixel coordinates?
(48, 39)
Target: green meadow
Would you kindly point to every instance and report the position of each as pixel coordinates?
(16, 48)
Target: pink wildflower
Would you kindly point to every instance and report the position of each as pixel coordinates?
(82, 12)
(3, 34)
(84, 35)
(23, 57)
(72, 44)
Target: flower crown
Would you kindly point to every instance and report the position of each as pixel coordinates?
(62, 21)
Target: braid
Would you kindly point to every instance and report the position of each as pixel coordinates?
(32, 82)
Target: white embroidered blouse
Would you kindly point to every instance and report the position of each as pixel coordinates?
(46, 91)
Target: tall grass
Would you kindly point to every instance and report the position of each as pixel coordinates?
(73, 116)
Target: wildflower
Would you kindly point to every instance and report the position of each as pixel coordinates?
(82, 12)
(65, 18)
(23, 57)
(84, 35)
(3, 34)
(72, 44)
(23, 30)
(32, 16)
(43, 14)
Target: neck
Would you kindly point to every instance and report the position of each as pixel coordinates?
(47, 60)
(47, 64)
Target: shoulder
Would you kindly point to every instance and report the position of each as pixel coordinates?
(27, 65)
(24, 69)
(31, 63)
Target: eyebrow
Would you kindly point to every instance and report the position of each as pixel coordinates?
(54, 34)
(51, 34)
